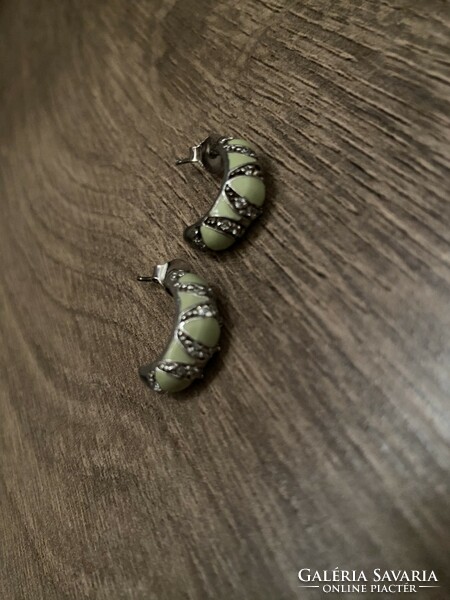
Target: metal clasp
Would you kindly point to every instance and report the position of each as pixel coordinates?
(207, 154)
(196, 154)
(160, 272)
(158, 275)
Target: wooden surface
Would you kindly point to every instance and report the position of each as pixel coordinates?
(320, 435)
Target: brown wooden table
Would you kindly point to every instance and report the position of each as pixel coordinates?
(320, 436)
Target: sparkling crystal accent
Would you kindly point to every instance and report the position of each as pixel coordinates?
(241, 205)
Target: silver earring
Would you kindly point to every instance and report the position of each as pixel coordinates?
(241, 195)
(196, 330)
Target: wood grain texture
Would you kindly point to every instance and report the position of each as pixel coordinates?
(320, 436)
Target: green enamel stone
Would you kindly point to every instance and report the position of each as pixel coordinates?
(236, 160)
(169, 383)
(192, 278)
(190, 300)
(222, 208)
(214, 239)
(251, 188)
(206, 331)
(177, 353)
(240, 142)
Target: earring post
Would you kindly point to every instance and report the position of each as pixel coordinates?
(197, 154)
(159, 274)
(184, 161)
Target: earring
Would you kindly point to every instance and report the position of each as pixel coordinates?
(195, 334)
(241, 194)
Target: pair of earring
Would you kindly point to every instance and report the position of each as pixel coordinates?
(196, 331)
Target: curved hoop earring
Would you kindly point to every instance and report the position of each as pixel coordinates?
(241, 195)
(196, 329)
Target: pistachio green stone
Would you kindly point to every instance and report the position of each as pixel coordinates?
(192, 278)
(177, 353)
(251, 188)
(169, 383)
(241, 142)
(235, 160)
(190, 300)
(203, 330)
(223, 208)
(214, 239)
